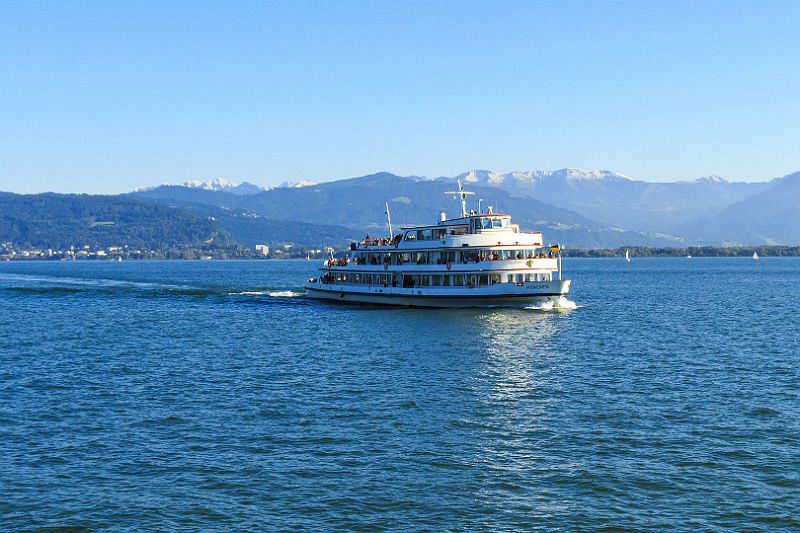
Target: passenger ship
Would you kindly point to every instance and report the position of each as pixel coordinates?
(478, 259)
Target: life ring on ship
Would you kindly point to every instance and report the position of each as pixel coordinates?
(530, 262)
(449, 266)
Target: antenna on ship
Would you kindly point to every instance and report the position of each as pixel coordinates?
(389, 219)
(463, 194)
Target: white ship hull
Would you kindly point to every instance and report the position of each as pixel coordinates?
(502, 295)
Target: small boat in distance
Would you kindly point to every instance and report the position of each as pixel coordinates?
(755, 256)
(627, 256)
(689, 256)
(477, 259)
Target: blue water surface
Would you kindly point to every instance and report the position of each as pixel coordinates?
(213, 395)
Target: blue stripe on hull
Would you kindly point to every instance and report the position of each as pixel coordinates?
(431, 300)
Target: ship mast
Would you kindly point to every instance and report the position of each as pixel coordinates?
(389, 220)
(463, 194)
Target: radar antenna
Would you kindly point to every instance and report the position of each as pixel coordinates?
(463, 194)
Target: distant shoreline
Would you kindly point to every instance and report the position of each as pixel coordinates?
(693, 251)
(593, 253)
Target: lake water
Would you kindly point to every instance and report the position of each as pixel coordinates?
(210, 395)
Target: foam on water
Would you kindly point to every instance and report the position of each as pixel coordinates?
(250, 293)
(274, 294)
(562, 304)
(92, 282)
(285, 294)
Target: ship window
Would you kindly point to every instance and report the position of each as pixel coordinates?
(494, 278)
(422, 258)
(436, 280)
(484, 279)
(487, 223)
(528, 277)
(411, 235)
(438, 233)
(458, 230)
(450, 257)
(469, 256)
(446, 280)
(458, 280)
(436, 258)
(424, 234)
(529, 253)
(519, 278)
(499, 222)
(510, 278)
(405, 257)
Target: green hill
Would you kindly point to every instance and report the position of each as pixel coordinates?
(59, 221)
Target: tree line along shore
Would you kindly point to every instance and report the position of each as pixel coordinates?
(9, 252)
(694, 251)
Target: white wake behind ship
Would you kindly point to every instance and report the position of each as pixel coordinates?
(478, 259)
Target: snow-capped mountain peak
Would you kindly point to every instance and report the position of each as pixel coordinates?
(496, 179)
(713, 178)
(223, 185)
(298, 184)
(219, 185)
(482, 176)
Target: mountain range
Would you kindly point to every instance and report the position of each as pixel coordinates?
(586, 209)
(617, 199)
(358, 203)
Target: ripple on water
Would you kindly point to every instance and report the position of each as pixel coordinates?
(214, 395)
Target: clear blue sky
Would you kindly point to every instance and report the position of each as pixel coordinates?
(103, 96)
